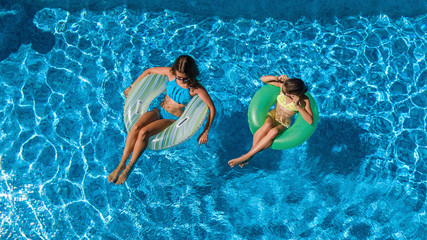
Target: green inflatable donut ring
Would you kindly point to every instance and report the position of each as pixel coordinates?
(296, 134)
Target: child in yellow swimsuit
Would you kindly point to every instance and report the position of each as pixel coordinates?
(290, 101)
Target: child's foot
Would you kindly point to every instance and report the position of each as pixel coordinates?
(123, 177)
(236, 161)
(232, 163)
(243, 164)
(114, 175)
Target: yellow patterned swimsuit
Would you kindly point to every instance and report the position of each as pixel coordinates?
(283, 118)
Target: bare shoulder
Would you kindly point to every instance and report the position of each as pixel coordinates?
(198, 89)
(162, 71)
(201, 91)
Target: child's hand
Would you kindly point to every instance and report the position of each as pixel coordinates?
(126, 92)
(295, 99)
(203, 138)
(282, 78)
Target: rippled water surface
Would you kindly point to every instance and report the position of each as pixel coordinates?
(362, 175)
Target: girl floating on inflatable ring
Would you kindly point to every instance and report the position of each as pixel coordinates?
(290, 101)
(182, 86)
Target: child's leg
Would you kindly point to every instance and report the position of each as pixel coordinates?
(131, 138)
(266, 141)
(263, 130)
(141, 144)
(259, 134)
(263, 143)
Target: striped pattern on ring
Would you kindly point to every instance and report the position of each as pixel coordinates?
(140, 98)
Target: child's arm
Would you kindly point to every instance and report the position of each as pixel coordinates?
(154, 70)
(306, 112)
(274, 80)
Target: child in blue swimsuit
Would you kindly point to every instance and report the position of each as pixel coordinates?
(182, 86)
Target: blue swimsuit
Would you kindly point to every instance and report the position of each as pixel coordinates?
(176, 93)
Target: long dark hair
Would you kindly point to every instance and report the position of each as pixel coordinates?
(186, 64)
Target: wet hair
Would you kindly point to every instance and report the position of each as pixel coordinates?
(186, 64)
(295, 86)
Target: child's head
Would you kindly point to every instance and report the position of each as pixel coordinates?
(295, 86)
(186, 65)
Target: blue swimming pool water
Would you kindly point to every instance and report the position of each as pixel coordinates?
(362, 175)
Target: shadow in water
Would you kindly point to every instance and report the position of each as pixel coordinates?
(16, 18)
(259, 10)
(234, 135)
(421, 201)
(17, 27)
(339, 146)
